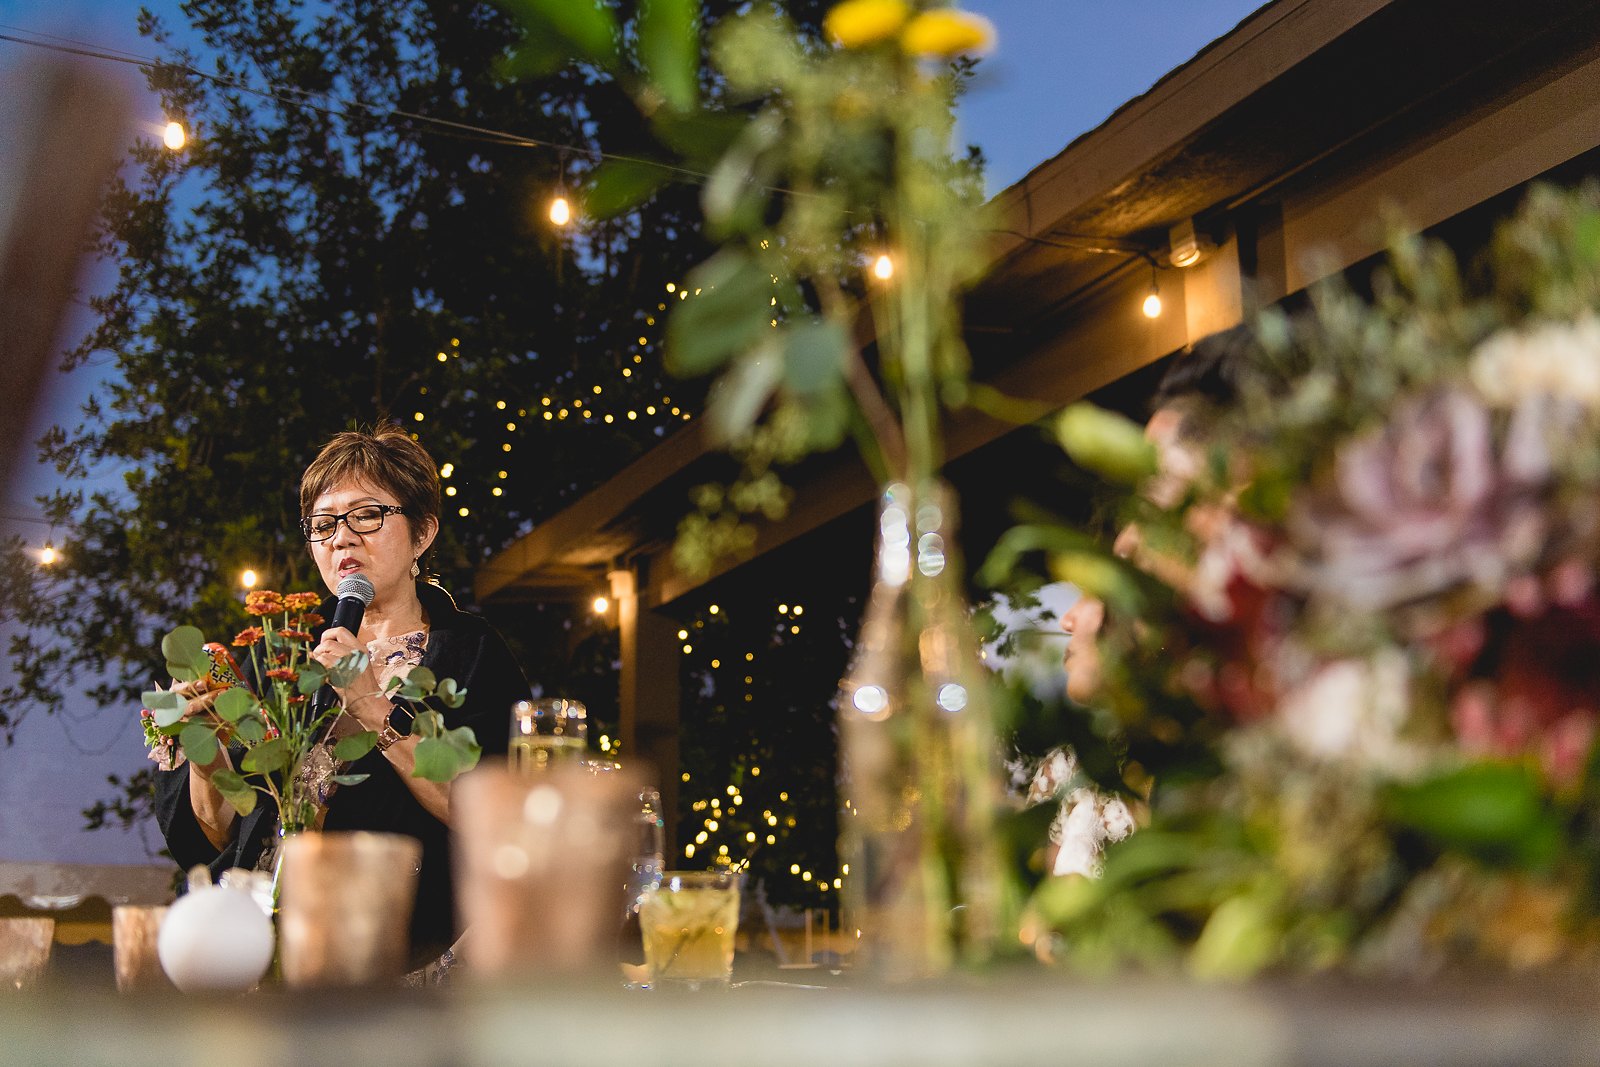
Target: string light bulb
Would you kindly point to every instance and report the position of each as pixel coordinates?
(174, 136)
(1152, 300)
(601, 605)
(248, 578)
(560, 211)
(883, 267)
(48, 555)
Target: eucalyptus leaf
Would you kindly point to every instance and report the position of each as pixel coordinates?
(730, 315)
(183, 646)
(355, 746)
(586, 25)
(740, 395)
(1493, 810)
(251, 730)
(349, 779)
(669, 50)
(814, 353)
(436, 761)
(423, 679)
(348, 668)
(167, 707)
(427, 724)
(233, 704)
(312, 678)
(618, 186)
(228, 781)
(268, 756)
(449, 695)
(199, 743)
(698, 135)
(242, 800)
(1107, 443)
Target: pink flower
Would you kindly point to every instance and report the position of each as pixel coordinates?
(1429, 503)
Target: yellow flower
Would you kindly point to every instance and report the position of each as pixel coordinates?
(858, 23)
(947, 32)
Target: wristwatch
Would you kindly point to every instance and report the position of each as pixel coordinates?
(388, 735)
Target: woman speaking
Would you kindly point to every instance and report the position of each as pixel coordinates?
(370, 507)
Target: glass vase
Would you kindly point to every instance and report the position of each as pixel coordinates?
(921, 784)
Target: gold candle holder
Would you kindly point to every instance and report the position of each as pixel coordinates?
(24, 951)
(135, 932)
(541, 867)
(346, 907)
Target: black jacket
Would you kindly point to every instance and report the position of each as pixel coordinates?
(460, 646)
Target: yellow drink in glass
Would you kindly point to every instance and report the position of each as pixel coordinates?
(688, 922)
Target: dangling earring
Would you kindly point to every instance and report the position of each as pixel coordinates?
(415, 570)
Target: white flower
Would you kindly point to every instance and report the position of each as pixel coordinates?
(1353, 710)
(1086, 822)
(1553, 359)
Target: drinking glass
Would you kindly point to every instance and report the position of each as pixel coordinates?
(541, 864)
(24, 951)
(135, 932)
(688, 922)
(649, 846)
(346, 911)
(546, 732)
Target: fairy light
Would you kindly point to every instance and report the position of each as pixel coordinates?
(560, 211)
(48, 556)
(883, 268)
(248, 578)
(601, 605)
(1152, 304)
(174, 136)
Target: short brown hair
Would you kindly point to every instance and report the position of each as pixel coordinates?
(388, 458)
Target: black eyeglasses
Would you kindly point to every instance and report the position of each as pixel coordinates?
(368, 518)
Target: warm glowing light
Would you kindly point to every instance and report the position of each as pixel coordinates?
(1152, 304)
(601, 605)
(497, 491)
(47, 556)
(560, 211)
(500, 405)
(174, 136)
(447, 470)
(464, 512)
(883, 268)
(248, 578)
(683, 635)
(449, 490)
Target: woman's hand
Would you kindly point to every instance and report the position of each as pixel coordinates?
(363, 699)
(211, 810)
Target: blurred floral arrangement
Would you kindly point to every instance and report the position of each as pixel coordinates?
(1351, 656)
(268, 712)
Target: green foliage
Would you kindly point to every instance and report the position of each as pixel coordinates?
(1107, 443)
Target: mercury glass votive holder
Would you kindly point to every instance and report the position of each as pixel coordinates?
(135, 933)
(541, 867)
(345, 914)
(24, 951)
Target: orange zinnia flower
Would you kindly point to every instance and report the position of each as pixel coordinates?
(294, 635)
(282, 674)
(263, 602)
(301, 601)
(248, 636)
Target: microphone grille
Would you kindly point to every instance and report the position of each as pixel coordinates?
(358, 586)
